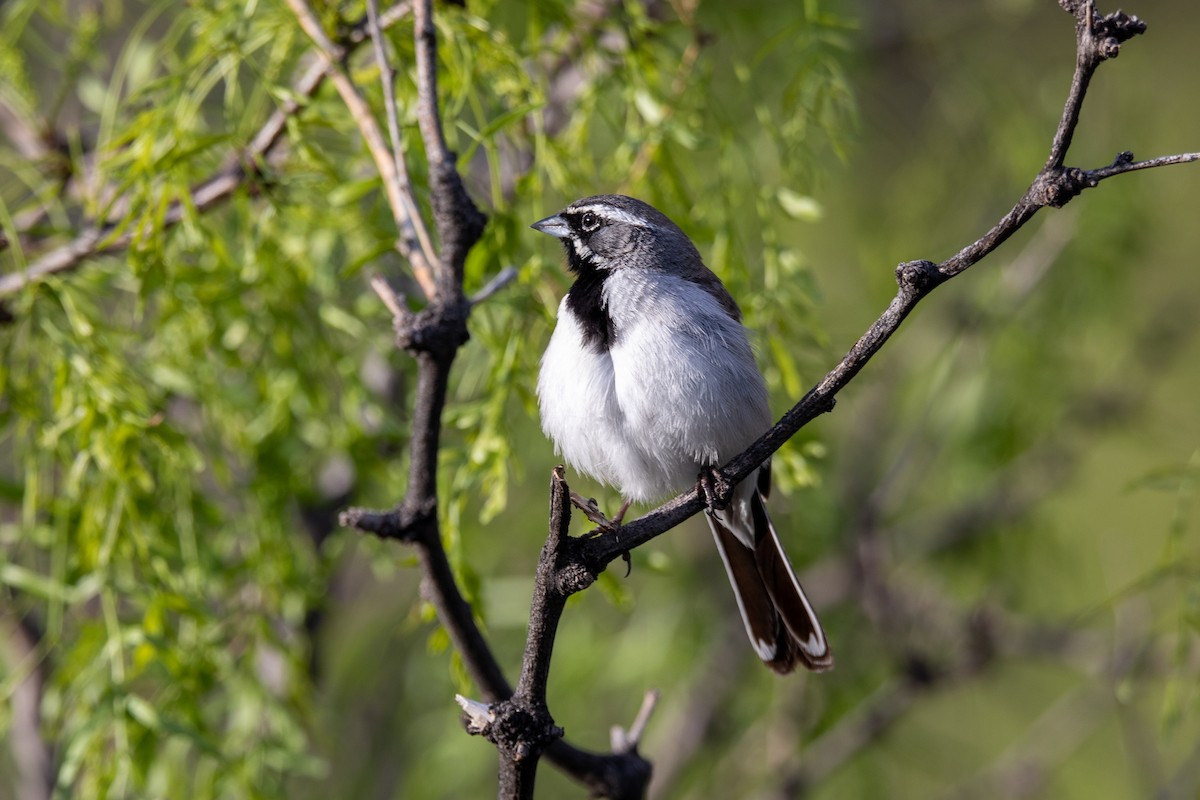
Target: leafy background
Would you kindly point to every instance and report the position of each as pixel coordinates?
(997, 523)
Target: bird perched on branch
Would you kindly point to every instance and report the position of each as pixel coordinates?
(649, 381)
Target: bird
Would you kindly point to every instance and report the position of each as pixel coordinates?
(649, 382)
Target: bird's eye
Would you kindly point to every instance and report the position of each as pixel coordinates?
(590, 221)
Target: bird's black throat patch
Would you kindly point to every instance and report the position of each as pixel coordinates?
(586, 302)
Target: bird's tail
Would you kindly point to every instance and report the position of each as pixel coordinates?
(781, 624)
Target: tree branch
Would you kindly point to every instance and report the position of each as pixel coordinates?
(521, 726)
(1095, 41)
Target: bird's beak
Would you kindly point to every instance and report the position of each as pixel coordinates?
(556, 226)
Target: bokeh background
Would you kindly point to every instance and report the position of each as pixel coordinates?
(997, 523)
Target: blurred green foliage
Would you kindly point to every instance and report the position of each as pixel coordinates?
(181, 420)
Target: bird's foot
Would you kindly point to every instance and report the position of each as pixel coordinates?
(591, 510)
(716, 490)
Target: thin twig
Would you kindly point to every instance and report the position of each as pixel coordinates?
(387, 76)
(390, 297)
(312, 28)
(1121, 166)
(404, 211)
(1096, 39)
(387, 79)
(502, 278)
(626, 740)
(548, 599)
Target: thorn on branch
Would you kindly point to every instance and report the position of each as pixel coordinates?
(1123, 159)
(627, 741)
(591, 509)
(501, 279)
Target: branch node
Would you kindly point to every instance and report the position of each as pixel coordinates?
(439, 329)
(519, 729)
(1058, 186)
(573, 577)
(918, 278)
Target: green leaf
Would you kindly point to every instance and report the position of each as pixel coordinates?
(798, 206)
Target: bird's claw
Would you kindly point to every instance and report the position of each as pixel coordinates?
(591, 510)
(716, 490)
(604, 525)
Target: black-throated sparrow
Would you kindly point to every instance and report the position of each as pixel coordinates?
(649, 379)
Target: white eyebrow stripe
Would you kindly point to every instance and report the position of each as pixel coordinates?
(612, 214)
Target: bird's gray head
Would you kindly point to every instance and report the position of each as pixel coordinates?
(609, 232)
